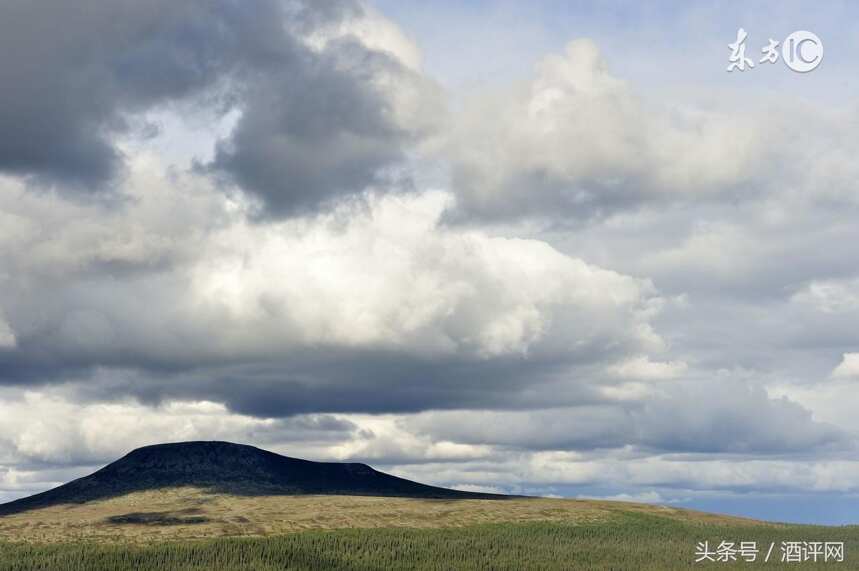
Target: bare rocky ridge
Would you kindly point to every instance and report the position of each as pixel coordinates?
(227, 468)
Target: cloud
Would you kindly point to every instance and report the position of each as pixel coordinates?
(324, 104)
(332, 122)
(323, 310)
(737, 417)
(830, 296)
(576, 142)
(478, 488)
(74, 74)
(391, 278)
(308, 135)
(373, 30)
(649, 497)
(671, 476)
(848, 368)
(7, 336)
(709, 417)
(643, 369)
(42, 429)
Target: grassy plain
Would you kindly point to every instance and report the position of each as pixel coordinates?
(188, 529)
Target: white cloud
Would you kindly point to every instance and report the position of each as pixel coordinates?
(478, 488)
(382, 438)
(380, 275)
(415, 99)
(830, 296)
(662, 475)
(392, 277)
(45, 427)
(848, 368)
(162, 220)
(578, 141)
(643, 369)
(648, 497)
(373, 30)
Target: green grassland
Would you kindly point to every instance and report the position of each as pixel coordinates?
(418, 534)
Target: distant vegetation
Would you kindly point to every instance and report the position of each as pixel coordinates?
(631, 540)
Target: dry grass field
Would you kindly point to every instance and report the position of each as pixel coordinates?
(190, 529)
(189, 513)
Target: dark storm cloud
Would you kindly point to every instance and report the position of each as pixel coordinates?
(71, 71)
(506, 402)
(342, 381)
(312, 132)
(331, 380)
(74, 74)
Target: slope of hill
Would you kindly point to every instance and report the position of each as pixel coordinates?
(188, 513)
(193, 513)
(235, 469)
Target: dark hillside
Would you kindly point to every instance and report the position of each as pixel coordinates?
(223, 467)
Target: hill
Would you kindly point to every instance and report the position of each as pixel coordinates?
(216, 505)
(198, 490)
(234, 469)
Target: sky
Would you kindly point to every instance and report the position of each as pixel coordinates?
(548, 248)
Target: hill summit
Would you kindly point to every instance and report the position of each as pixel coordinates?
(238, 469)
